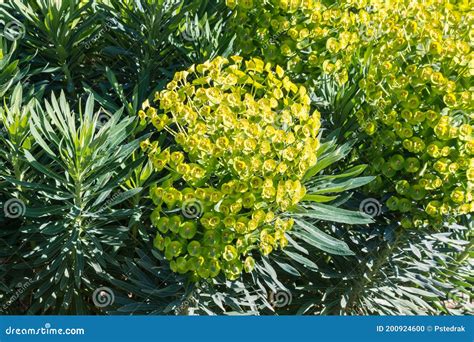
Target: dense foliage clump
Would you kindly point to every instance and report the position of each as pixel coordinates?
(244, 140)
(418, 110)
(236, 157)
(415, 100)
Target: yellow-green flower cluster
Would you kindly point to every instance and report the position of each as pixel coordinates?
(415, 63)
(308, 37)
(418, 108)
(243, 139)
(430, 164)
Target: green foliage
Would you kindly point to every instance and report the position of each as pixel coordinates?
(79, 168)
(414, 100)
(54, 34)
(205, 33)
(396, 272)
(78, 196)
(244, 141)
(9, 67)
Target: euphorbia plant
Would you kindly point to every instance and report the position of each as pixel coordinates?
(307, 37)
(417, 110)
(244, 139)
(414, 100)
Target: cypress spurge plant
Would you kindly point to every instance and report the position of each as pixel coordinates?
(245, 140)
(15, 135)
(243, 159)
(398, 272)
(14, 138)
(137, 47)
(415, 94)
(55, 36)
(284, 273)
(73, 225)
(10, 73)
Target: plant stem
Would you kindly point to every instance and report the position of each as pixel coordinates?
(382, 259)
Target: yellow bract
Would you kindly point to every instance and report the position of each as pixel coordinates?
(243, 140)
(415, 63)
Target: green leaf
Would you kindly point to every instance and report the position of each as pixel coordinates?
(329, 159)
(44, 169)
(318, 198)
(288, 268)
(321, 240)
(329, 213)
(339, 186)
(123, 197)
(301, 260)
(352, 172)
(44, 211)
